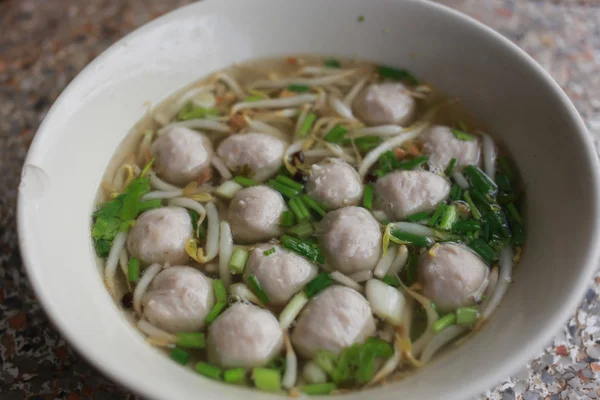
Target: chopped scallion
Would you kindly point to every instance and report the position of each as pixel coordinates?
(245, 182)
(133, 269)
(456, 192)
(332, 63)
(480, 180)
(505, 166)
(466, 315)
(412, 164)
(289, 182)
(220, 291)
(209, 370)
(450, 167)
(391, 280)
(194, 112)
(303, 210)
(180, 356)
(444, 322)
(237, 262)
(483, 249)
(318, 284)
(474, 211)
(397, 74)
(267, 379)
(411, 238)
(313, 204)
(254, 285)
(466, 225)
(364, 143)
(462, 135)
(307, 124)
(269, 252)
(285, 190)
(298, 88)
(287, 219)
(250, 99)
(368, 197)
(214, 312)
(448, 218)
(293, 204)
(303, 230)
(234, 375)
(512, 210)
(437, 215)
(420, 216)
(194, 340)
(336, 134)
(310, 251)
(314, 389)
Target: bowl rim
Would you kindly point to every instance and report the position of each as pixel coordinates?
(484, 381)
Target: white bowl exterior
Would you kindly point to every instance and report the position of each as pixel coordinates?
(495, 80)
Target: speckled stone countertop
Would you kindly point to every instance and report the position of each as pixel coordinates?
(44, 44)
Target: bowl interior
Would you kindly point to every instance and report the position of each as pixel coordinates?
(498, 83)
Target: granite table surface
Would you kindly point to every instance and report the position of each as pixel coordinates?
(44, 44)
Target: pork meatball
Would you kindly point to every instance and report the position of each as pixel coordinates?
(337, 318)
(178, 300)
(442, 146)
(385, 103)
(160, 235)
(334, 183)
(255, 214)
(181, 155)
(403, 193)
(244, 336)
(262, 154)
(452, 275)
(281, 274)
(351, 240)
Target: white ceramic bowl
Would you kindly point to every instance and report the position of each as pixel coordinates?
(495, 80)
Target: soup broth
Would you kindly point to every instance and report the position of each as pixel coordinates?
(308, 225)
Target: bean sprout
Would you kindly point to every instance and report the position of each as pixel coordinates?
(152, 331)
(361, 276)
(381, 130)
(221, 167)
(142, 285)
(420, 343)
(161, 194)
(504, 279)
(263, 127)
(200, 123)
(165, 114)
(341, 108)
(291, 364)
(157, 183)
(372, 157)
(241, 291)
(275, 103)
(212, 232)
(225, 250)
(346, 281)
(190, 204)
(385, 262)
(460, 180)
(489, 155)
(112, 261)
(399, 261)
(440, 340)
(313, 82)
(233, 85)
(349, 99)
